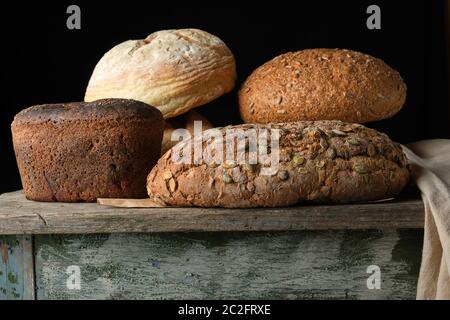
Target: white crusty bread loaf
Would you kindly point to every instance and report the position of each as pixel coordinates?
(173, 70)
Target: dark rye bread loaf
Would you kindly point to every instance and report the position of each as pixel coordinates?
(81, 151)
(320, 162)
(322, 84)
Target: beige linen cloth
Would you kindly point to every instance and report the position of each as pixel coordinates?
(430, 161)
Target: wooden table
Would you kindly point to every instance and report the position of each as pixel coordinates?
(153, 253)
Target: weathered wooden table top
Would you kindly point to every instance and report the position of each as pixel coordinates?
(21, 216)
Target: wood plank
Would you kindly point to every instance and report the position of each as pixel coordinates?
(21, 216)
(16, 268)
(327, 264)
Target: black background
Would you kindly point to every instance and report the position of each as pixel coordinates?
(44, 62)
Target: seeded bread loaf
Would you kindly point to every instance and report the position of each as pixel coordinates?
(173, 70)
(81, 151)
(322, 84)
(319, 162)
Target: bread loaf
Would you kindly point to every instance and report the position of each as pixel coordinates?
(319, 162)
(81, 151)
(322, 84)
(173, 70)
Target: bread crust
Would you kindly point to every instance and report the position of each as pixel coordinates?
(320, 162)
(322, 84)
(173, 70)
(82, 151)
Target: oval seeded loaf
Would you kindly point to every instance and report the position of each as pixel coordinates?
(319, 162)
(322, 84)
(173, 70)
(81, 151)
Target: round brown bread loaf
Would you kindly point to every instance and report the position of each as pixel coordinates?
(322, 84)
(82, 151)
(319, 162)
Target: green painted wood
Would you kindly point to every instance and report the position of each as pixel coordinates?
(272, 265)
(16, 268)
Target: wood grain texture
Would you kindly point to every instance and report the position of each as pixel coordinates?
(16, 268)
(230, 265)
(21, 216)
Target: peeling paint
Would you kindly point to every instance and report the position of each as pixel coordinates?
(16, 265)
(275, 265)
(12, 278)
(9, 241)
(14, 293)
(4, 253)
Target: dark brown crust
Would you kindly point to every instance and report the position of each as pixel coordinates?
(320, 162)
(99, 110)
(322, 84)
(83, 151)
